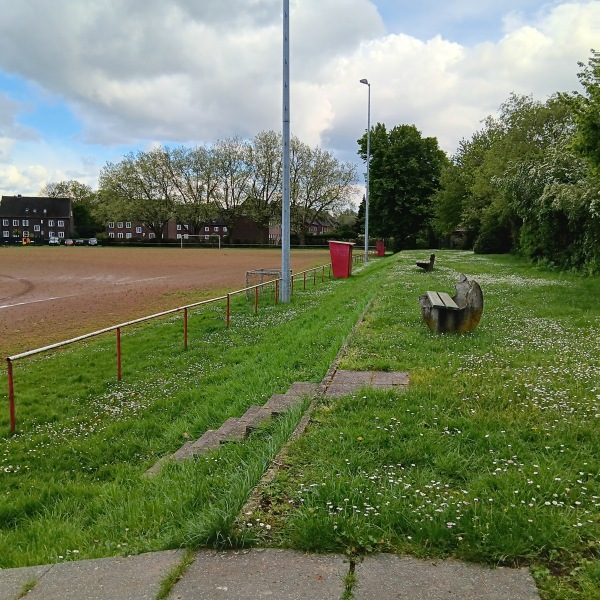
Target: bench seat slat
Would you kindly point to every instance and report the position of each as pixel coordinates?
(447, 300)
(442, 300)
(435, 300)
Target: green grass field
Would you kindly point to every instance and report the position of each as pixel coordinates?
(491, 454)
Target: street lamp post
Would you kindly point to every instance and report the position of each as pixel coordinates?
(284, 291)
(366, 82)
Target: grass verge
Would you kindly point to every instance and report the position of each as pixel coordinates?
(71, 482)
(492, 453)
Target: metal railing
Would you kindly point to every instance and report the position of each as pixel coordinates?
(117, 328)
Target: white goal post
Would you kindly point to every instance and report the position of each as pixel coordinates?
(203, 236)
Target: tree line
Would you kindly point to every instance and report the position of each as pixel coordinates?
(527, 182)
(221, 182)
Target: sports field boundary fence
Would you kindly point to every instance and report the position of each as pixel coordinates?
(314, 273)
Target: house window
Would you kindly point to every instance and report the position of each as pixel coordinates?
(51, 223)
(61, 234)
(128, 224)
(178, 236)
(5, 222)
(206, 237)
(151, 236)
(111, 224)
(215, 229)
(15, 222)
(224, 229)
(111, 234)
(207, 229)
(51, 234)
(25, 222)
(5, 233)
(61, 223)
(120, 235)
(138, 230)
(178, 227)
(186, 236)
(36, 227)
(120, 224)
(129, 235)
(25, 234)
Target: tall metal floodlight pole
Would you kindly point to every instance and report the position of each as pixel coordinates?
(284, 290)
(366, 82)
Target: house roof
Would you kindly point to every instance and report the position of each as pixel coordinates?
(34, 207)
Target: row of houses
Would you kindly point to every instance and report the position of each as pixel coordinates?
(38, 218)
(24, 218)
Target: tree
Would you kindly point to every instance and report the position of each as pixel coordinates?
(404, 174)
(77, 191)
(449, 200)
(139, 188)
(474, 186)
(232, 174)
(587, 112)
(264, 186)
(193, 173)
(84, 203)
(320, 186)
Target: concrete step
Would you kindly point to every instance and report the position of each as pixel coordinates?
(237, 429)
(209, 440)
(254, 416)
(184, 452)
(280, 403)
(233, 430)
(303, 388)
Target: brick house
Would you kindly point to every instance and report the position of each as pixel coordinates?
(246, 231)
(136, 230)
(36, 219)
(319, 226)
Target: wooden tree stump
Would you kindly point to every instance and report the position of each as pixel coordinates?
(459, 314)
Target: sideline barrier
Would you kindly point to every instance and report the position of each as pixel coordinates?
(117, 328)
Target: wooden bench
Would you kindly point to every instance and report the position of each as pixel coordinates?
(441, 300)
(427, 265)
(457, 314)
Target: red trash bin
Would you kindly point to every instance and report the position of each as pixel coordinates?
(380, 248)
(341, 258)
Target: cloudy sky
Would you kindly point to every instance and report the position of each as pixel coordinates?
(83, 82)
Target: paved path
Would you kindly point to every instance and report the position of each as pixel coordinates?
(275, 574)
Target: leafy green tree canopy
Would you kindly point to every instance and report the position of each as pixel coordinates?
(404, 173)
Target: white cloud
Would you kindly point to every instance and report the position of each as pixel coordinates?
(184, 71)
(446, 89)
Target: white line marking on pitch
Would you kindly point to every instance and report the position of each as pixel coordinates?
(31, 301)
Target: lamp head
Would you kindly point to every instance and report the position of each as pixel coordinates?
(365, 81)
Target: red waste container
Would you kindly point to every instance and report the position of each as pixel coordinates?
(341, 258)
(380, 248)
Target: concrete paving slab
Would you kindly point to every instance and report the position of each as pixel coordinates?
(391, 378)
(277, 574)
(335, 390)
(387, 577)
(12, 581)
(356, 378)
(120, 578)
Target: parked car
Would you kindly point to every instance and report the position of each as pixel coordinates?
(54, 242)
(69, 242)
(92, 242)
(79, 242)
